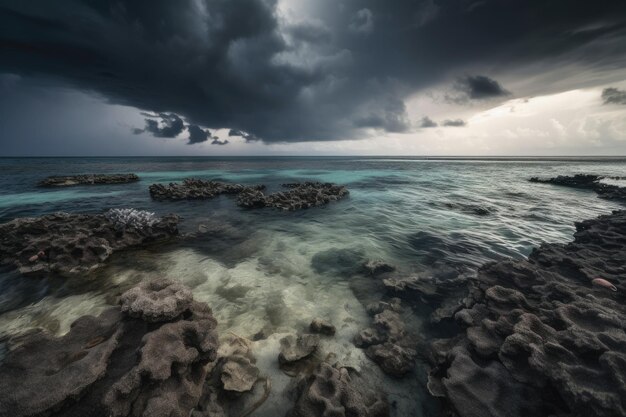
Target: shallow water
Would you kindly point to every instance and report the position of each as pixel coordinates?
(269, 271)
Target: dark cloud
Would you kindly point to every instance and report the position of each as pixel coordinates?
(241, 65)
(247, 136)
(170, 126)
(217, 141)
(453, 123)
(427, 122)
(479, 87)
(197, 134)
(613, 96)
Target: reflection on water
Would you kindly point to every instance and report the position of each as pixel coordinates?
(266, 273)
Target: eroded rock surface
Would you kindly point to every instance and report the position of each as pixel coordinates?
(337, 391)
(538, 337)
(73, 244)
(111, 365)
(293, 348)
(88, 179)
(387, 342)
(156, 300)
(322, 326)
(196, 189)
(590, 182)
(300, 196)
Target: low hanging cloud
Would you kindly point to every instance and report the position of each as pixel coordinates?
(248, 137)
(170, 125)
(613, 95)
(339, 71)
(453, 123)
(427, 122)
(217, 141)
(476, 87)
(197, 134)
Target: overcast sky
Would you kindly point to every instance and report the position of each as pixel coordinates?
(312, 77)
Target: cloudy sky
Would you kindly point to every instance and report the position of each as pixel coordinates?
(312, 77)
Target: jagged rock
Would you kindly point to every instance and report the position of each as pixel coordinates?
(387, 342)
(377, 267)
(293, 348)
(321, 326)
(196, 189)
(111, 365)
(238, 371)
(156, 300)
(590, 182)
(72, 244)
(88, 179)
(300, 196)
(539, 338)
(335, 391)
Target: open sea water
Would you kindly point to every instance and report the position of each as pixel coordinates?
(272, 272)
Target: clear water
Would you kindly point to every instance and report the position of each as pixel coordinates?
(274, 271)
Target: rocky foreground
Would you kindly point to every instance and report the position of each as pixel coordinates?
(158, 354)
(300, 195)
(88, 179)
(588, 182)
(542, 337)
(75, 244)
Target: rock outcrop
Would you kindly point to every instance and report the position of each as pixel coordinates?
(387, 342)
(540, 336)
(321, 326)
(72, 244)
(113, 364)
(196, 189)
(589, 182)
(337, 391)
(300, 196)
(293, 348)
(88, 179)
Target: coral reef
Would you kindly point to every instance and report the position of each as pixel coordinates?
(113, 365)
(590, 182)
(300, 196)
(75, 244)
(540, 336)
(321, 326)
(88, 179)
(293, 348)
(196, 189)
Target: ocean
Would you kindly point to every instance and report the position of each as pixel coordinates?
(270, 271)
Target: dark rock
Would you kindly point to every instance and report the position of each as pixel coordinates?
(590, 182)
(111, 365)
(300, 196)
(336, 391)
(196, 189)
(72, 244)
(387, 342)
(322, 327)
(293, 348)
(539, 337)
(88, 179)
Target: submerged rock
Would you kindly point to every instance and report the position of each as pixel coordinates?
(88, 179)
(337, 391)
(539, 336)
(72, 244)
(377, 267)
(590, 182)
(111, 365)
(156, 300)
(293, 348)
(196, 189)
(321, 326)
(387, 342)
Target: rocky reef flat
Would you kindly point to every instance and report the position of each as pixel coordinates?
(589, 182)
(300, 195)
(88, 179)
(75, 244)
(542, 336)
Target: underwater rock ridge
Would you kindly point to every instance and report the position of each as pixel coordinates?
(75, 244)
(590, 182)
(114, 364)
(542, 336)
(88, 179)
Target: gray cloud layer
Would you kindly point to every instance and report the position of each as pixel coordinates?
(236, 64)
(613, 96)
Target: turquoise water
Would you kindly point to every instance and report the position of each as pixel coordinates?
(274, 271)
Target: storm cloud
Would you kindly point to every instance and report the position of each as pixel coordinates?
(613, 96)
(197, 134)
(427, 122)
(453, 123)
(332, 72)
